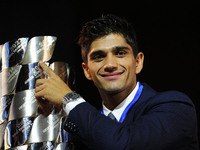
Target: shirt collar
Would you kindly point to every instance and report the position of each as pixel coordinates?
(117, 112)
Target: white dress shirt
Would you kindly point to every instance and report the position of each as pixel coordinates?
(117, 112)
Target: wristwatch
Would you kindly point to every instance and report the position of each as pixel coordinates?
(69, 97)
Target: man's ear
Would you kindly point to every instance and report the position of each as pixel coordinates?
(139, 62)
(86, 71)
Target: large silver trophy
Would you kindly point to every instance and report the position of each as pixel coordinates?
(22, 124)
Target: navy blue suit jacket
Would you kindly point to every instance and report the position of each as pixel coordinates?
(157, 121)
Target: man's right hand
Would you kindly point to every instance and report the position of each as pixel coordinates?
(50, 90)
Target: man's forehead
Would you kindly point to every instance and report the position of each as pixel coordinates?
(108, 42)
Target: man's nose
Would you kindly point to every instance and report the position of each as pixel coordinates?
(110, 64)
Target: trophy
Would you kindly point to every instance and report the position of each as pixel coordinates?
(22, 124)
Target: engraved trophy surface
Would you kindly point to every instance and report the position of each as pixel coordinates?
(17, 131)
(5, 103)
(28, 75)
(12, 52)
(39, 48)
(8, 80)
(22, 124)
(45, 128)
(24, 104)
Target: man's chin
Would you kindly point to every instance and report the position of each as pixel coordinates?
(113, 90)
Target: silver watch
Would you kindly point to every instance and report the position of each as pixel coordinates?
(73, 96)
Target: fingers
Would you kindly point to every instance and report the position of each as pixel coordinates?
(50, 73)
(40, 82)
(39, 86)
(39, 93)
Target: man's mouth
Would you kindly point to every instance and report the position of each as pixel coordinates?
(111, 76)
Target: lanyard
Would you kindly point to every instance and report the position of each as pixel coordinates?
(130, 105)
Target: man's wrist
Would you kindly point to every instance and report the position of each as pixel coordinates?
(71, 100)
(69, 97)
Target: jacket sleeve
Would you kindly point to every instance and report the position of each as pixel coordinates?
(167, 121)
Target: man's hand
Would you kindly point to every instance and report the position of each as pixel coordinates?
(50, 90)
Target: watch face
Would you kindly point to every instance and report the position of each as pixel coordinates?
(73, 95)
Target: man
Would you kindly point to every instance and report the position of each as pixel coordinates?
(143, 119)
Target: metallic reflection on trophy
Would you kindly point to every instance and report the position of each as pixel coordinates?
(22, 124)
(12, 52)
(39, 48)
(8, 80)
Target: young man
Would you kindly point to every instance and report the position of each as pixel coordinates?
(143, 119)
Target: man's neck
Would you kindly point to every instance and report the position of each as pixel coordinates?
(111, 101)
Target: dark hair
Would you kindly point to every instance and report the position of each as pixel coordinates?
(103, 26)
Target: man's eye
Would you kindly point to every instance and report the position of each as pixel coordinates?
(121, 53)
(97, 57)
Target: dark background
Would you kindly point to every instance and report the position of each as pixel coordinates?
(168, 34)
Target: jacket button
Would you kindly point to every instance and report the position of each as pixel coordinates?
(71, 126)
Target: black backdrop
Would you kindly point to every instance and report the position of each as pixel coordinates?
(168, 34)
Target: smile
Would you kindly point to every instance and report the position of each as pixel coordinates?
(112, 76)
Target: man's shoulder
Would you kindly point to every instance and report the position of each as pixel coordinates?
(173, 96)
(169, 102)
(149, 95)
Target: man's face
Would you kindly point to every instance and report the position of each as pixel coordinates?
(111, 64)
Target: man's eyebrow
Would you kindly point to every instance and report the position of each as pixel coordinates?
(95, 53)
(120, 48)
(113, 49)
